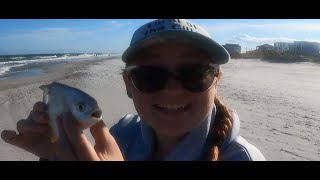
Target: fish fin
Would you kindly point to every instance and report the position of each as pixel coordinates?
(45, 89)
(55, 83)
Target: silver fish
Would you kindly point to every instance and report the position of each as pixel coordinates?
(62, 98)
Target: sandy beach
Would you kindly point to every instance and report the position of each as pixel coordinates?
(99, 78)
(278, 104)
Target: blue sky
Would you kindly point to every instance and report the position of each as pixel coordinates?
(28, 36)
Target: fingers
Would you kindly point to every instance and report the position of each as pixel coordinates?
(63, 148)
(39, 117)
(40, 106)
(9, 136)
(102, 135)
(39, 114)
(33, 132)
(36, 122)
(73, 144)
(13, 138)
(24, 126)
(106, 146)
(80, 144)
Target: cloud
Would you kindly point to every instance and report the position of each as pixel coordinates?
(294, 27)
(245, 38)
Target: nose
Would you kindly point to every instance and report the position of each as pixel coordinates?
(173, 87)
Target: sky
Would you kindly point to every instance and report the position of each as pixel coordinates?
(42, 36)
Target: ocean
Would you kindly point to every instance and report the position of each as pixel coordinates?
(12, 66)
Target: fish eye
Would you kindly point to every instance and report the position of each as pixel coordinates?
(80, 107)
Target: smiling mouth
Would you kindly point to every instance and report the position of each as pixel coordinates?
(172, 107)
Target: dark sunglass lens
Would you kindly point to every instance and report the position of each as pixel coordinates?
(149, 79)
(197, 78)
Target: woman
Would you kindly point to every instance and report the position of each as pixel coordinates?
(171, 74)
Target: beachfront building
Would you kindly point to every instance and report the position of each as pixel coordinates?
(282, 46)
(264, 48)
(305, 48)
(233, 49)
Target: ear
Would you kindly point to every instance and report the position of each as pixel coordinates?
(127, 83)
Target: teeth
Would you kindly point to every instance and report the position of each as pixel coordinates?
(172, 106)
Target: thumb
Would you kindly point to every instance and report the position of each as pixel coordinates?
(10, 137)
(105, 142)
(101, 135)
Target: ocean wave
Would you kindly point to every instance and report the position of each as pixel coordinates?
(18, 57)
(44, 57)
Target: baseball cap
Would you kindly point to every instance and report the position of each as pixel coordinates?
(181, 30)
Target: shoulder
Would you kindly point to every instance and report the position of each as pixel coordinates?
(241, 150)
(125, 129)
(126, 125)
(127, 120)
(236, 148)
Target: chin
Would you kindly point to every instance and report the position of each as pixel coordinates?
(171, 131)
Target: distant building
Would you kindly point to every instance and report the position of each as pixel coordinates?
(265, 47)
(282, 46)
(233, 49)
(305, 48)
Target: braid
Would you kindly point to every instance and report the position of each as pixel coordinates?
(219, 130)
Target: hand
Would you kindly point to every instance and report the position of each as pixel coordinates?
(74, 145)
(33, 133)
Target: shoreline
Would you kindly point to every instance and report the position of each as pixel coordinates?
(47, 73)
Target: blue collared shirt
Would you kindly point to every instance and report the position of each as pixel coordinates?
(136, 141)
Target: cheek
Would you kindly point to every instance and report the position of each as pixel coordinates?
(210, 96)
(141, 102)
(204, 103)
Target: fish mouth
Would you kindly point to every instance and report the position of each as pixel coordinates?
(96, 114)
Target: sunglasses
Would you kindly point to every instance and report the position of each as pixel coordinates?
(194, 78)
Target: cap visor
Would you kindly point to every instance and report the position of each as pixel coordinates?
(217, 53)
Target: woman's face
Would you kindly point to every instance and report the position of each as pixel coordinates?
(172, 111)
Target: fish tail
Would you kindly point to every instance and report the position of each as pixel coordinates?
(53, 139)
(54, 130)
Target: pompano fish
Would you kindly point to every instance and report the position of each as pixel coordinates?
(62, 98)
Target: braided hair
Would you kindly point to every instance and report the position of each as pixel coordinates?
(219, 130)
(221, 126)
